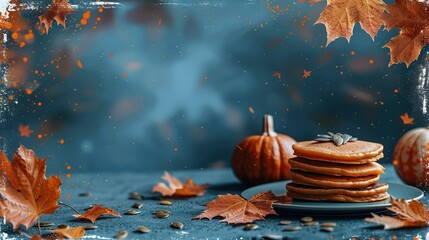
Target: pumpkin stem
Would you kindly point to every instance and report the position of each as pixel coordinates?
(268, 127)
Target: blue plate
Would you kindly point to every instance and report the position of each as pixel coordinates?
(396, 190)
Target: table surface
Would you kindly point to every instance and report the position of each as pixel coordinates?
(112, 190)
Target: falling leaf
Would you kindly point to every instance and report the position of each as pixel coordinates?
(95, 212)
(57, 11)
(177, 189)
(277, 75)
(340, 17)
(251, 110)
(412, 18)
(24, 130)
(71, 233)
(406, 119)
(236, 210)
(412, 214)
(25, 192)
(306, 74)
(79, 64)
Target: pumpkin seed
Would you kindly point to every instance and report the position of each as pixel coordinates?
(338, 140)
(285, 222)
(272, 236)
(250, 226)
(132, 212)
(312, 223)
(162, 214)
(121, 234)
(143, 229)
(291, 228)
(306, 219)
(137, 205)
(177, 225)
(327, 229)
(44, 224)
(85, 194)
(165, 202)
(136, 196)
(328, 224)
(61, 226)
(90, 227)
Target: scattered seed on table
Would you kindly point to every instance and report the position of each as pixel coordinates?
(272, 236)
(313, 223)
(136, 196)
(165, 202)
(44, 224)
(85, 194)
(285, 222)
(121, 234)
(327, 229)
(61, 226)
(143, 229)
(328, 224)
(90, 227)
(132, 212)
(251, 226)
(137, 205)
(162, 214)
(306, 219)
(177, 225)
(291, 228)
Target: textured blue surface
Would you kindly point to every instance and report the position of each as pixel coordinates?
(113, 189)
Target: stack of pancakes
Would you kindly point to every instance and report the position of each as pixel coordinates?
(323, 171)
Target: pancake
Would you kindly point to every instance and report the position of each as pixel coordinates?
(326, 181)
(357, 152)
(336, 169)
(372, 193)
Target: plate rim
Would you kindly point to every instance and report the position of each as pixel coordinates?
(338, 207)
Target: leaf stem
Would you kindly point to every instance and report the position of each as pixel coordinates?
(38, 226)
(23, 233)
(72, 208)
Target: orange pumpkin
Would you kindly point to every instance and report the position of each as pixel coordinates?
(411, 157)
(263, 158)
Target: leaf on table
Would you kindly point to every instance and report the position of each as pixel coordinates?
(412, 18)
(57, 11)
(71, 233)
(406, 120)
(25, 191)
(95, 212)
(412, 214)
(25, 130)
(237, 210)
(176, 188)
(340, 17)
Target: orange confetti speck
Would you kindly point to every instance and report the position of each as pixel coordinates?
(395, 91)
(15, 35)
(110, 55)
(28, 91)
(124, 75)
(83, 21)
(68, 167)
(25, 59)
(39, 104)
(11, 97)
(79, 64)
(306, 74)
(21, 44)
(98, 19)
(251, 110)
(352, 53)
(86, 15)
(61, 141)
(25, 131)
(395, 162)
(39, 136)
(277, 75)
(68, 196)
(68, 175)
(100, 10)
(371, 61)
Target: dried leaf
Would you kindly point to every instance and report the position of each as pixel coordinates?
(406, 119)
(95, 212)
(176, 188)
(24, 130)
(340, 17)
(412, 17)
(71, 233)
(58, 12)
(236, 210)
(412, 214)
(306, 74)
(25, 192)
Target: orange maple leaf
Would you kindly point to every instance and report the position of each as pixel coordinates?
(58, 12)
(70, 233)
(412, 214)
(95, 212)
(340, 16)
(306, 74)
(406, 119)
(412, 18)
(236, 210)
(177, 189)
(25, 192)
(24, 130)
(277, 75)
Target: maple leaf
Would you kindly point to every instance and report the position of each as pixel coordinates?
(95, 212)
(412, 17)
(340, 16)
(277, 75)
(236, 210)
(25, 131)
(412, 214)
(177, 189)
(306, 74)
(71, 233)
(58, 12)
(25, 191)
(406, 119)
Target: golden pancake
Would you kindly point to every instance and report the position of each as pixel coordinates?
(369, 194)
(326, 181)
(335, 169)
(357, 152)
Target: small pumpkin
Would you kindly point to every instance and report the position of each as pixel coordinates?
(263, 158)
(411, 157)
